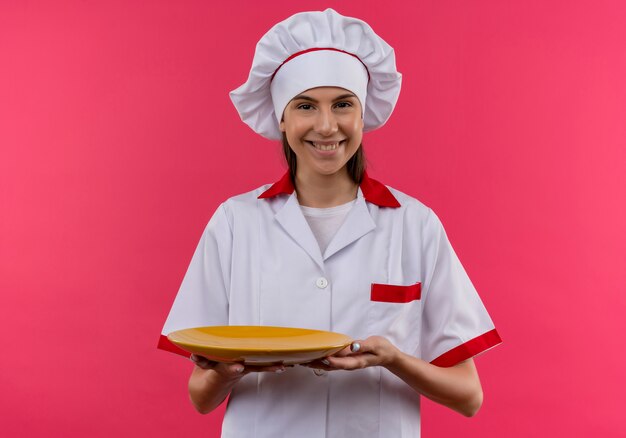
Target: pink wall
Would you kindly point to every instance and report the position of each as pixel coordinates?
(118, 140)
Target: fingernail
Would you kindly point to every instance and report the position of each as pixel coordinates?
(239, 369)
(325, 362)
(282, 370)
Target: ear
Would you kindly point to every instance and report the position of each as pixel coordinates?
(281, 125)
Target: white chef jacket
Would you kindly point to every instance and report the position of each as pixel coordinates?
(390, 271)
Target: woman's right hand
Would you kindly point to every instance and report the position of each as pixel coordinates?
(211, 382)
(235, 371)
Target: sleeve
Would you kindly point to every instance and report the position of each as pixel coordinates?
(202, 299)
(455, 323)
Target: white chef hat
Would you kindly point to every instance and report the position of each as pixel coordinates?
(315, 49)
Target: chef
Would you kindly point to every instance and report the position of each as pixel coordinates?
(328, 247)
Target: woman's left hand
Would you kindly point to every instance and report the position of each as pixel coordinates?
(457, 387)
(373, 351)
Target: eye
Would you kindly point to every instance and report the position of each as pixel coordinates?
(343, 105)
(304, 106)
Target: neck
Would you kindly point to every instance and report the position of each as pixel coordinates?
(323, 191)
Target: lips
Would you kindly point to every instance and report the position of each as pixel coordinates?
(325, 145)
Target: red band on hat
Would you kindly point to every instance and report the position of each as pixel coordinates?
(315, 49)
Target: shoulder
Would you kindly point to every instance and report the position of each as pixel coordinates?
(234, 210)
(418, 221)
(247, 198)
(243, 203)
(412, 208)
(407, 201)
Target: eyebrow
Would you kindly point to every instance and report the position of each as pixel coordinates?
(309, 98)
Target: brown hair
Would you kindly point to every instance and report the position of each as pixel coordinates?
(356, 164)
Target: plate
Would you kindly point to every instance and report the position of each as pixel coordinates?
(259, 345)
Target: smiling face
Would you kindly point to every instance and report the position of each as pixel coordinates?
(324, 128)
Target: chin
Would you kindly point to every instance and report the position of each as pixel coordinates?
(329, 172)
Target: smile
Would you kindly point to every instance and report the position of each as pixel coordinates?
(325, 145)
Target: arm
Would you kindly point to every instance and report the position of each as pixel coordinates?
(211, 382)
(457, 387)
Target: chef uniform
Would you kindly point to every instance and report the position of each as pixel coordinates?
(389, 270)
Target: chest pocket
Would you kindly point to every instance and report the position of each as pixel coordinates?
(395, 313)
(391, 293)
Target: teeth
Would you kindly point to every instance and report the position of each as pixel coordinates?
(325, 147)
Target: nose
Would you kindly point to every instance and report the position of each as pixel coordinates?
(326, 123)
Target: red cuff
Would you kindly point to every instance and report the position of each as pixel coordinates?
(469, 349)
(165, 344)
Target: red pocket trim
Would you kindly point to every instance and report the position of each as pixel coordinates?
(390, 293)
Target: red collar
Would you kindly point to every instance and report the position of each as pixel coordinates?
(373, 191)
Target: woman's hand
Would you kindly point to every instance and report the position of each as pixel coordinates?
(211, 382)
(457, 387)
(233, 371)
(373, 351)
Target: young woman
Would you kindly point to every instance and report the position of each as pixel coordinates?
(327, 247)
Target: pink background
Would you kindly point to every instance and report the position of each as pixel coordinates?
(118, 141)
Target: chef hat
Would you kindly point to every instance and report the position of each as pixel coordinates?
(315, 49)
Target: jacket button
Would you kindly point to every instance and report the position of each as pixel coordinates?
(321, 283)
